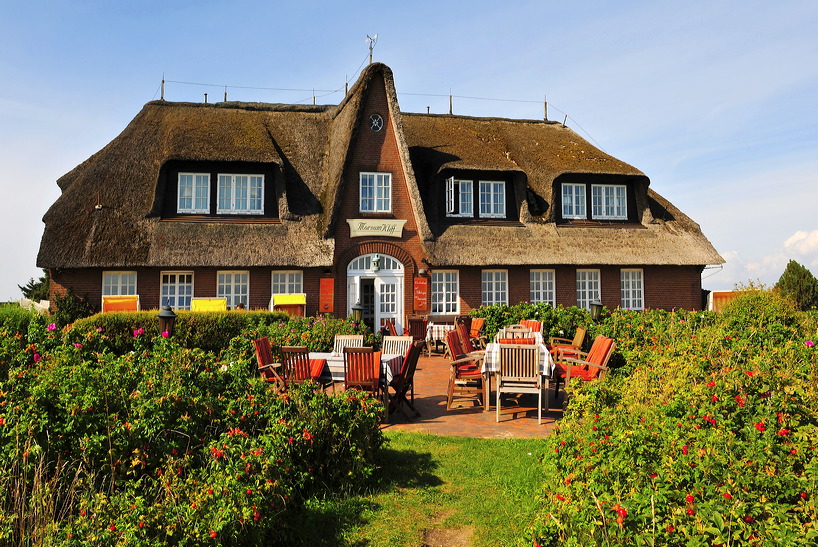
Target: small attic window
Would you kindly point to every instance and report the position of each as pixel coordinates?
(194, 193)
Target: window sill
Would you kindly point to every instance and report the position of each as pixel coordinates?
(223, 219)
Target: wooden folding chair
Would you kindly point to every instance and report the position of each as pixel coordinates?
(269, 370)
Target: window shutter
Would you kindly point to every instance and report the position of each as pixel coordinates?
(450, 195)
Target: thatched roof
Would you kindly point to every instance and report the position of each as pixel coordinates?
(309, 146)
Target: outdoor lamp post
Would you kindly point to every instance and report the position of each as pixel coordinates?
(596, 309)
(376, 263)
(166, 320)
(357, 311)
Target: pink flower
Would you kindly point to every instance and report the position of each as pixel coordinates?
(99, 329)
(165, 334)
(138, 331)
(52, 326)
(809, 344)
(37, 358)
(78, 345)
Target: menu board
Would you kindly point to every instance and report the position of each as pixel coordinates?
(421, 294)
(326, 295)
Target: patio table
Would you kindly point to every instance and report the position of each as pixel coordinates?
(491, 365)
(535, 335)
(334, 369)
(436, 332)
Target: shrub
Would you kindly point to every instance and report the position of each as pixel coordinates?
(798, 283)
(706, 437)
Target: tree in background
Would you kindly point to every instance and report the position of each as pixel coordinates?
(799, 283)
(37, 290)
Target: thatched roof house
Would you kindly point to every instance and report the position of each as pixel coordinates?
(265, 188)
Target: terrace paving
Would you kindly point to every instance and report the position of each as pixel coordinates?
(431, 383)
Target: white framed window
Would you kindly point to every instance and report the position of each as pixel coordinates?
(494, 287)
(233, 287)
(541, 285)
(445, 292)
(176, 290)
(609, 201)
(118, 283)
(288, 282)
(587, 288)
(632, 289)
(459, 198)
(573, 200)
(240, 194)
(194, 193)
(376, 193)
(492, 199)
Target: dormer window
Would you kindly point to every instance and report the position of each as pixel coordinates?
(241, 195)
(376, 193)
(491, 198)
(194, 193)
(604, 201)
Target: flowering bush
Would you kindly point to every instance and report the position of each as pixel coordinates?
(556, 321)
(163, 444)
(707, 435)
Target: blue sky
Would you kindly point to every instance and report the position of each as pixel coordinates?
(715, 101)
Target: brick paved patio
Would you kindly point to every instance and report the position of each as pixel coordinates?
(431, 382)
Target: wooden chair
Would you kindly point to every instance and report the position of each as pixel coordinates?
(342, 341)
(555, 344)
(588, 366)
(418, 330)
(298, 367)
(402, 383)
(464, 320)
(532, 324)
(519, 372)
(396, 344)
(362, 369)
(478, 338)
(269, 370)
(514, 331)
(465, 341)
(465, 376)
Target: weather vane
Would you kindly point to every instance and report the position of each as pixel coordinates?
(371, 40)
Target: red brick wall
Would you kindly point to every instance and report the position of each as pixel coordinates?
(376, 152)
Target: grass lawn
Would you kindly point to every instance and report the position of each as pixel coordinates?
(435, 490)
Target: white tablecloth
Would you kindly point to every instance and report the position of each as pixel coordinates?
(492, 361)
(390, 365)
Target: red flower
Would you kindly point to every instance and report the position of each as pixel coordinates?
(748, 519)
(784, 432)
(689, 498)
(761, 427)
(691, 511)
(560, 497)
(728, 495)
(213, 534)
(711, 384)
(670, 528)
(684, 450)
(112, 528)
(622, 512)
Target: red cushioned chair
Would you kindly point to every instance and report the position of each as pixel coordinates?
(478, 338)
(532, 324)
(588, 366)
(269, 370)
(298, 367)
(570, 346)
(465, 376)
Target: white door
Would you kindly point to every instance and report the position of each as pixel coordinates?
(384, 274)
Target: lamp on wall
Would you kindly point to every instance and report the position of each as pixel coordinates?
(596, 309)
(357, 312)
(376, 263)
(422, 272)
(166, 320)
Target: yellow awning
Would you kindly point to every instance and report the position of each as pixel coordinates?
(120, 303)
(289, 299)
(208, 304)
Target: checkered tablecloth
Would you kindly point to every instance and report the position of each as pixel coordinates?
(437, 331)
(536, 335)
(492, 361)
(390, 365)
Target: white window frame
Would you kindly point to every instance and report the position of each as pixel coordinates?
(609, 201)
(234, 287)
(459, 198)
(542, 287)
(119, 283)
(445, 293)
(176, 300)
(588, 284)
(632, 288)
(573, 200)
(197, 190)
(240, 194)
(492, 199)
(287, 282)
(375, 192)
(494, 287)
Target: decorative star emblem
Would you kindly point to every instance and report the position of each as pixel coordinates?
(375, 122)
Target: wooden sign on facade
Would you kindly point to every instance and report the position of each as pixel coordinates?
(326, 295)
(421, 294)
